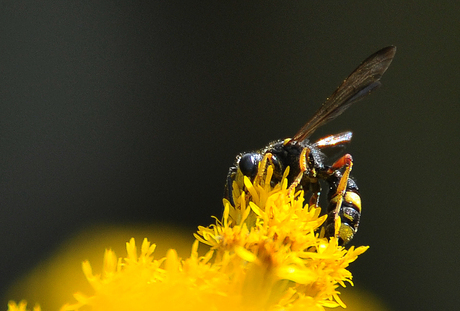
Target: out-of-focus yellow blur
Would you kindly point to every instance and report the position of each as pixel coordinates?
(53, 282)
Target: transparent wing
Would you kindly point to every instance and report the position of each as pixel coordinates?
(333, 140)
(359, 84)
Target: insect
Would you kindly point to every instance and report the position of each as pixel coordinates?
(307, 161)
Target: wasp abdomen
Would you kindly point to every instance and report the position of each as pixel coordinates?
(349, 211)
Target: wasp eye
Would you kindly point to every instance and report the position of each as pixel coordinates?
(249, 163)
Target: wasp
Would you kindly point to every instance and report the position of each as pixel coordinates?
(307, 160)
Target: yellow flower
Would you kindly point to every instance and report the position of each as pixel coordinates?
(285, 263)
(266, 253)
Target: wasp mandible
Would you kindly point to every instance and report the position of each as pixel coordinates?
(307, 160)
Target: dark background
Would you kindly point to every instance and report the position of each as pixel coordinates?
(120, 112)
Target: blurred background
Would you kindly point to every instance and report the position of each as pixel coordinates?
(119, 113)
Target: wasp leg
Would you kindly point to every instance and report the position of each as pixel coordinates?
(303, 168)
(315, 189)
(228, 190)
(262, 167)
(347, 162)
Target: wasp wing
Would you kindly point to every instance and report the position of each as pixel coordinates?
(333, 146)
(359, 83)
(333, 140)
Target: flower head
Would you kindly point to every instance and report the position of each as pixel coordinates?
(266, 253)
(285, 261)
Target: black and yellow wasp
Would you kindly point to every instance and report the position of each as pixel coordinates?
(307, 160)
